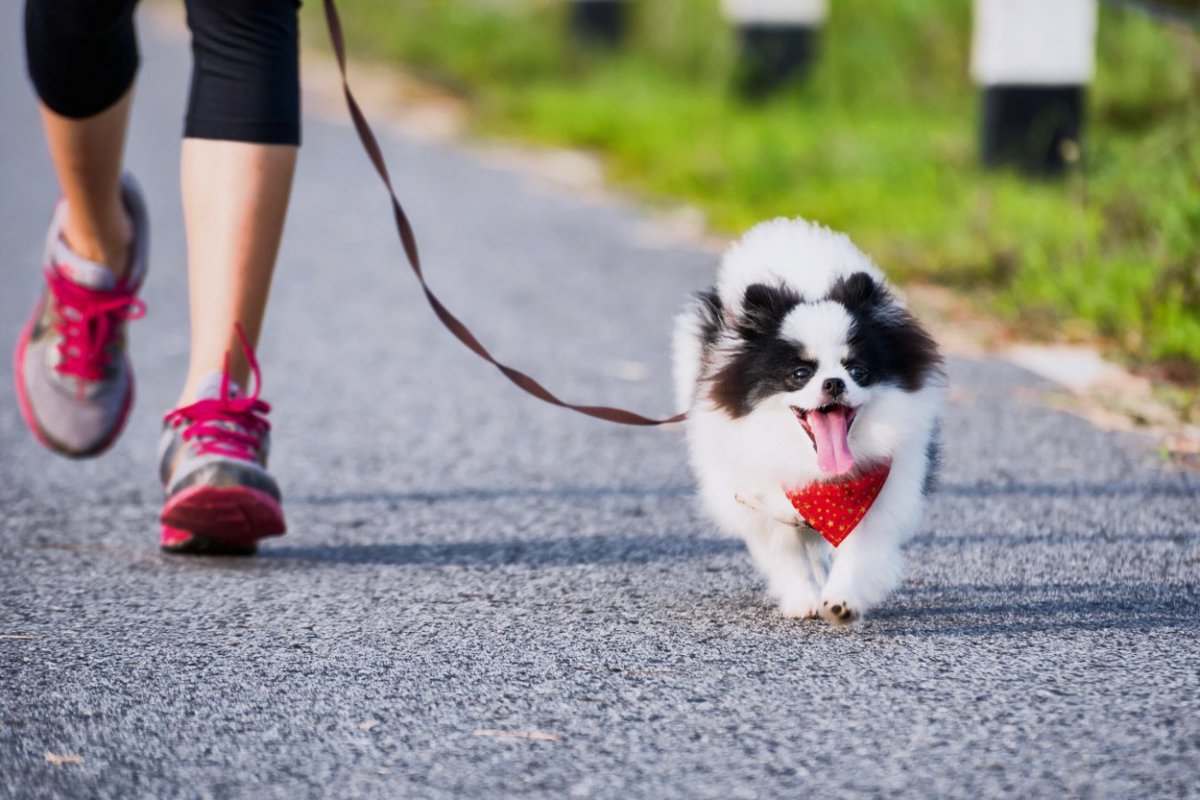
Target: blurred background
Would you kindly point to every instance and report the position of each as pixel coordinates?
(1065, 203)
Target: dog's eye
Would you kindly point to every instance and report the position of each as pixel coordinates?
(802, 373)
(858, 373)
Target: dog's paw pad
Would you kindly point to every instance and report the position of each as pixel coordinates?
(839, 612)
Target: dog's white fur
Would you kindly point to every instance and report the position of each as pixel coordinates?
(743, 464)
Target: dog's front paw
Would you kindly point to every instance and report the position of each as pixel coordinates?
(800, 601)
(799, 609)
(839, 612)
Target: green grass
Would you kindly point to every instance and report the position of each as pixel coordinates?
(880, 141)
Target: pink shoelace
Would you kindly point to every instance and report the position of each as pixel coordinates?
(88, 320)
(231, 424)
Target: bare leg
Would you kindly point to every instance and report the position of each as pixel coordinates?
(87, 155)
(235, 198)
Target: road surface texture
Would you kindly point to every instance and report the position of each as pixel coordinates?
(482, 596)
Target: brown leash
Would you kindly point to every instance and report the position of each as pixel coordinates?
(409, 240)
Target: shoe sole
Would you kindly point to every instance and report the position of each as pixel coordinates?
(26, 405)
(228, 516)
(182, 542)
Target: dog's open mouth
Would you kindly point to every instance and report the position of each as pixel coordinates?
(829, 429)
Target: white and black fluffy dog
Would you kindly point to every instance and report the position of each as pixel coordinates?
(801, 369)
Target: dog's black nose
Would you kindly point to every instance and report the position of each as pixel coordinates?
(834, 387)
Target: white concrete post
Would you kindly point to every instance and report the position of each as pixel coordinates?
(1033, 60)
(777, 40)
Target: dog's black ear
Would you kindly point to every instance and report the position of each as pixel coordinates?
(763, 309)
(859, 292)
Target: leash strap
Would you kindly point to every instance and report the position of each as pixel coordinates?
(409, 240)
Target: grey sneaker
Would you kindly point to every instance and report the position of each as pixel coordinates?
(73, 378)
(220, 499)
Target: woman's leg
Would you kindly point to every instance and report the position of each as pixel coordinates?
(239, 153)
(73, 380)
(82, 58)
(87, 155)
(235, 196)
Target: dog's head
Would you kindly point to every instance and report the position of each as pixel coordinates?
(817, 363)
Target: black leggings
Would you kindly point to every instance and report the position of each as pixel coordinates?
(83, 55)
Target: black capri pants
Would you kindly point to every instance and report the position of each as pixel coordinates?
(83, 55)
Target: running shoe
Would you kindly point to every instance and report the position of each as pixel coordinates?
(220, 499)
(73, 377)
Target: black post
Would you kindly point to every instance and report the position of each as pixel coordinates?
(777, 41)
(1033, 60)
(599, 22)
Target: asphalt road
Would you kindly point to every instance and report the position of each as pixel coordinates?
(464, 562)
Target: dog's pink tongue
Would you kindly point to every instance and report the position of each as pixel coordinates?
(830, 430)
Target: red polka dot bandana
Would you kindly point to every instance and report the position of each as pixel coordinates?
(834, 509)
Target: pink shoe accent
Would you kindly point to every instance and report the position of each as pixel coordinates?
(88, 320)
(204, 418)
(18, 366)
(82, 323)
(173, 538)
(232, 515)
(26, 406)
(222, 515)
